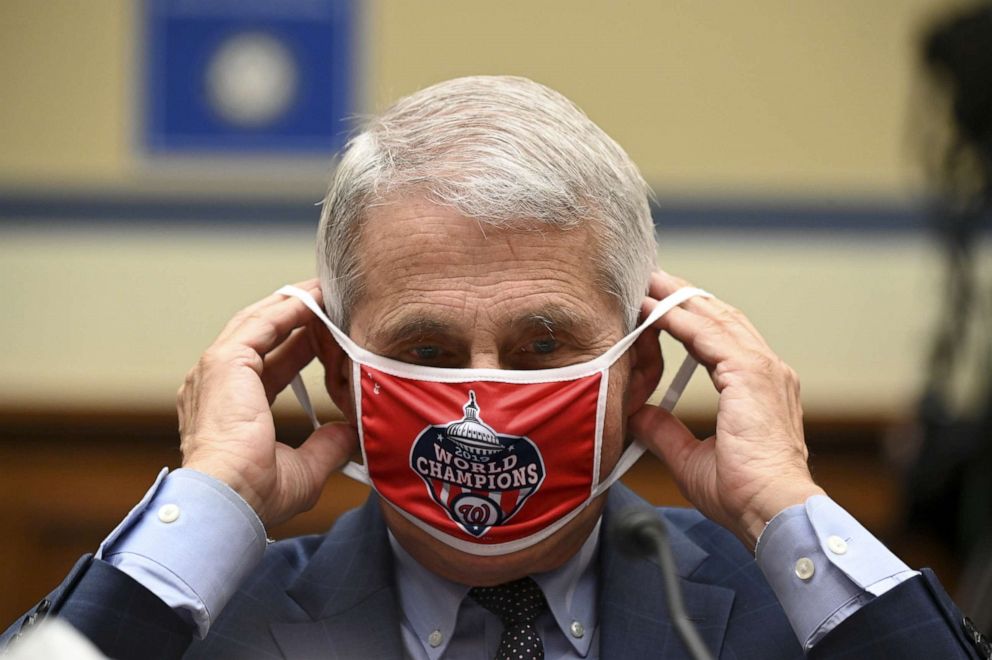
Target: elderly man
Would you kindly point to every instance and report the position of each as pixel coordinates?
(485, 252)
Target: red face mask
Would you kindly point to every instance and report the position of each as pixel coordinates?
(488, 461)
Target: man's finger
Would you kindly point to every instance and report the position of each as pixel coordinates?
(266, 328)
(283, 363)
(665, 436)
(716, 316)
(707, 340)
(725, 313)
(716, 308)
(311, 286)
(327, 450)
(662, 284)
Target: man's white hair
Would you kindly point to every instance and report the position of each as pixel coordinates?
(505, 151)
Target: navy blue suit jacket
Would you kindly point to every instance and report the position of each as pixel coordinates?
(333, 596)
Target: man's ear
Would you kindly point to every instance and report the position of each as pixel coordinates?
(646, 367)
(337, 370)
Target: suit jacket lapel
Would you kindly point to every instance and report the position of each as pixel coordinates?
(634, 617)
(347, 590)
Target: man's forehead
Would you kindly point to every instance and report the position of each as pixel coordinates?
(422, 320)
(426, 269)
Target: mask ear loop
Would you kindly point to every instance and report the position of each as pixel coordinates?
(356, 471)
(300, 390)
(349, 347)
(679, 383)
(634, 452)
(664, 306)
(674, 392)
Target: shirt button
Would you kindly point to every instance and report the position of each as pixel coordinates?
(805, 568)
(435, 638)
(837, 545)
(577, 629)
(168, 513)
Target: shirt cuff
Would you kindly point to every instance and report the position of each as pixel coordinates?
(191, 541)
(824, 566)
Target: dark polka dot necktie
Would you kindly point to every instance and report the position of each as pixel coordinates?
(517, 604)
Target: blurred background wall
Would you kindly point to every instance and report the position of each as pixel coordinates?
(778, 136)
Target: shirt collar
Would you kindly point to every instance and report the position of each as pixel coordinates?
(430, 603)
(570, 591)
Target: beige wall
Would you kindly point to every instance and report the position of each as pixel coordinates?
(778, 97)
(65, 115)
(770, 99)
(772, 96)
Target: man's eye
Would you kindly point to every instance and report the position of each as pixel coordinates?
(544, 346)
(429, 355)
(427, 352)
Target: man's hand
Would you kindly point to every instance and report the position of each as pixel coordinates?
(755, 465)
(225, 420)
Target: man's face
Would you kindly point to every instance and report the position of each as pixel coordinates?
(444, 291)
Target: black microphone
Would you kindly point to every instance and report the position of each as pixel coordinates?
(640, 533)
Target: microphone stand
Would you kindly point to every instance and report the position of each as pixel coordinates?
(641, 533)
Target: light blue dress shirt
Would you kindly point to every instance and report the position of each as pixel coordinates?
(440, 622)
(192, 540)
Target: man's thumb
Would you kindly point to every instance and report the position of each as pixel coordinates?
(664, 434)
(327, 449)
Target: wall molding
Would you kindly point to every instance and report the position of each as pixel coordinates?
(137, 209)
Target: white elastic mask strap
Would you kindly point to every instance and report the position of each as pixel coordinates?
(350, 348)
(356, 471)
(664, 306)
(300, 390)
(634, 452)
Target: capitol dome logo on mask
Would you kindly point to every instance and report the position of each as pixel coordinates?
(480, 477)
